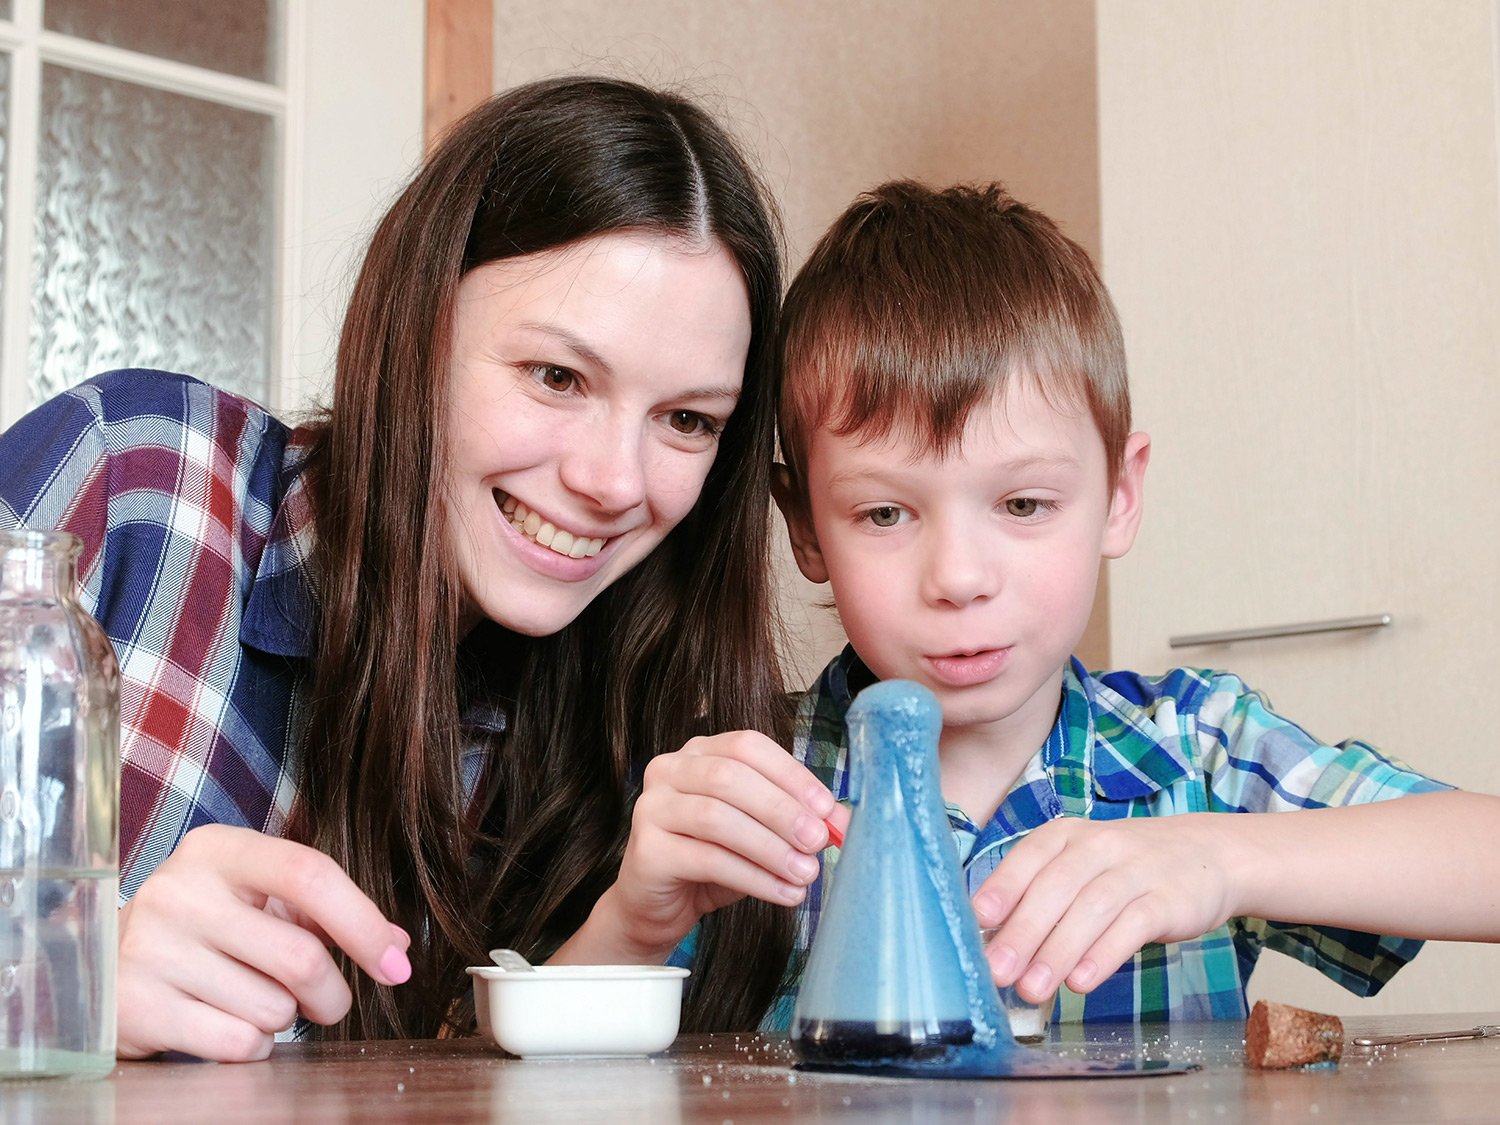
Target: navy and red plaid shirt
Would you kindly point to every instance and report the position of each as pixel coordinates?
(196, 530)
(197, 527)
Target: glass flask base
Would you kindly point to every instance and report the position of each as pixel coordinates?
(837, 1042)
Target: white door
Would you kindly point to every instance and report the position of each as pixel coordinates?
(1302, 233)
(186, 185)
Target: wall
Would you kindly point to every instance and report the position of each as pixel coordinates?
(837, 98)
(1301, 226)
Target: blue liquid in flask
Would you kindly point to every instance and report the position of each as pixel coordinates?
(896, 980)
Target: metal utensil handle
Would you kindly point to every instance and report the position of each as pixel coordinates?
(1333, 625)
(1431, 1037)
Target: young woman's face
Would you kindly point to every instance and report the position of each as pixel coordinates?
(588, 388)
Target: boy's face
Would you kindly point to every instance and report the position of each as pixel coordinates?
(972, 574)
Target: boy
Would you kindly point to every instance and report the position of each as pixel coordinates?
(956, 426)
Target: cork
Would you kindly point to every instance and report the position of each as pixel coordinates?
(1279, 1036)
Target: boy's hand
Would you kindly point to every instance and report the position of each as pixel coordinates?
(724, 817)
(228, 940)
(1076, 898)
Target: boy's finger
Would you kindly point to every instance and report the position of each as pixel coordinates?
(1121, 941)
(1002, 892)
(1104, 925)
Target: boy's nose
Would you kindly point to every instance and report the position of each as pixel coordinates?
(959, 568)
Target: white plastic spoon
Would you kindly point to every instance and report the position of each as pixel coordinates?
(511, 961)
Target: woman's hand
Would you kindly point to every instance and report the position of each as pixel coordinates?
(227, 941)
(724, 817)
(1076, 898)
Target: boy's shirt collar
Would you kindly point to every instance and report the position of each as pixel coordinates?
(1102, 747)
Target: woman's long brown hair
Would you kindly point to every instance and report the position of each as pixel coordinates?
(681, 645)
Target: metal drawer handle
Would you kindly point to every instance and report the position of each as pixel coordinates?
(1336, 625)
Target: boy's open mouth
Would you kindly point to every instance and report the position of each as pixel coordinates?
(538, 530)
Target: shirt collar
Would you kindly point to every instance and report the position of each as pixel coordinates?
(281, 612)
(1105, 746)
(1115, 740)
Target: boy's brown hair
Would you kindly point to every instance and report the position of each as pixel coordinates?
(917, 304)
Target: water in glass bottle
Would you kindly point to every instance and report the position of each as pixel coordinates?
(59, 786)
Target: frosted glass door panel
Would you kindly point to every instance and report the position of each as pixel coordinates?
(153, 236)
(4, 141)
(238, 38)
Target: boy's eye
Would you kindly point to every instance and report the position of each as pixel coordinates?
(888, 516)
(692, 424)
(1024, 507)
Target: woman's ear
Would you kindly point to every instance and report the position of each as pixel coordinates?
(1125, 504)
(799, 525)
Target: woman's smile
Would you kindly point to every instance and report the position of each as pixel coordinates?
(544, 533)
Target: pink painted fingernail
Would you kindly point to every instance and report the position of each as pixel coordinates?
(394, 966)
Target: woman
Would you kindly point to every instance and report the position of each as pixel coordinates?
(390, 679)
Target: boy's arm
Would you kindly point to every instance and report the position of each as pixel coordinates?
(1079, 897)
(1340, 865)
(1424, 866)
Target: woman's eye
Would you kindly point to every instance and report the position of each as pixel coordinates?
(555, 378)
(1024, 507)
(692, 424)
(888, 516)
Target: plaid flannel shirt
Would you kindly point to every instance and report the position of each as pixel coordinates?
(1130, 745)
(197, 527)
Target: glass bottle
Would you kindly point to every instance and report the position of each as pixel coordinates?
(59, 801)
(896, 979)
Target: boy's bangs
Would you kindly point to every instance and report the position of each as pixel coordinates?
(917, 305)
(916, 377)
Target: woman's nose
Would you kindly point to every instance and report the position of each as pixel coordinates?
(605, 463)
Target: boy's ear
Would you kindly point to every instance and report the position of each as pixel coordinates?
(799, 525)
(1125, 503)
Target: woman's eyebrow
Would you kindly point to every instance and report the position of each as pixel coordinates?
(731, 395)
(570, 340)
(590, 355)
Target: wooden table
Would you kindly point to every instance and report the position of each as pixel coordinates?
(748, 1078)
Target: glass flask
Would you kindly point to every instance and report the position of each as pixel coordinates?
(896, 979)
(59, 801)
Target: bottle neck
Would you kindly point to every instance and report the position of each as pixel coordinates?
(38, 564)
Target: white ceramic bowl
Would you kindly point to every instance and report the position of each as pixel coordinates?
(579, 1011)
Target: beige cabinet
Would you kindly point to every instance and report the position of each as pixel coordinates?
(1301, 228)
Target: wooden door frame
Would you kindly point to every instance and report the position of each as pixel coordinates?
(460, 61)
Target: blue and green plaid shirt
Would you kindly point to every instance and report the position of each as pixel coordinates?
(1131, 745)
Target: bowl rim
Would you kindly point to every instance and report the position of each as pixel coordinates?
(578, 972)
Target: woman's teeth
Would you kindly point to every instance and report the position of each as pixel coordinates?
(538, 530)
